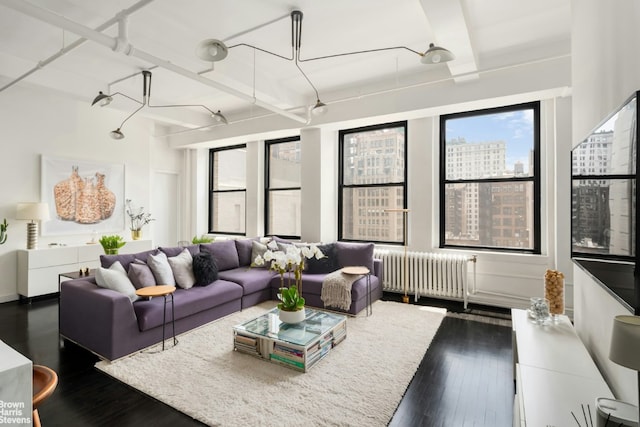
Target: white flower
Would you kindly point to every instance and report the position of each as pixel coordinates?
(259, 260)
(268, 256)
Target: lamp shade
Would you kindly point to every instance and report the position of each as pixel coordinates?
(625, 341)
(436, 55)
(33, 211)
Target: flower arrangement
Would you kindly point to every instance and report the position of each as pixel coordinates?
(290, 260)
(3, 231)
(111, 244)
(137, 217)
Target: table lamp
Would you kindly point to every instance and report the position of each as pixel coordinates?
(625, 344)
(33, 212)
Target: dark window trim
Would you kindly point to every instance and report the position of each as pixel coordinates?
(341, 186)
(536, 178)
(212, 152)
(267, 184)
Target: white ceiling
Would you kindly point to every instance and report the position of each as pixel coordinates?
(483, 34)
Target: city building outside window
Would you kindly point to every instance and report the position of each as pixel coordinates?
(227, 190)
(490, 179)
(372, 180)
(283, 187)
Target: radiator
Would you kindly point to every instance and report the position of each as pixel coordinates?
(428, 274)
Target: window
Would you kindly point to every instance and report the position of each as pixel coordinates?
(373, 179)
(490, 179)
(282, 187)
(227, 190)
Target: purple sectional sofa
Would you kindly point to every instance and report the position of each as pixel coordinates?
(110, 325)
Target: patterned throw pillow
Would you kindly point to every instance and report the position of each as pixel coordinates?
(205, 269)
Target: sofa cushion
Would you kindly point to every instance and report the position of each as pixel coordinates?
(182, 267)
(205, 269)
(355, 254)
(325, 265)
(177, 250)
(115, 278)
(243, 246)
(258, 249)
(125, 259)
(251, 279)
(224, 252)
(186, 303)
(140, 274)
(161, 269)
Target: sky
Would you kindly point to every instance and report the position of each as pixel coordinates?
(513, 127)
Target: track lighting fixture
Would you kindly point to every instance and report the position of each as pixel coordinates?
(213, 50)
(103, 99)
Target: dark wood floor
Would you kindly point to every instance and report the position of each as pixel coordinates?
(465, 378)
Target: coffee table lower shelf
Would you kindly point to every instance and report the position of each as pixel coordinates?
(298, 347)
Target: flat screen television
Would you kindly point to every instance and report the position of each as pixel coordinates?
(603, 200)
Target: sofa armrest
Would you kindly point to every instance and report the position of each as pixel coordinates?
(378, 268)
(94, 317)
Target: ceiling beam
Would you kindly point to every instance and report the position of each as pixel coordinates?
(450, 30)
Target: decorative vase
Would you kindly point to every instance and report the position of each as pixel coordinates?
(136, 234)
(292, 317)
(111, 251)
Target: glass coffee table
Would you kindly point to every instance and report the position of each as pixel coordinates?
(298, 346)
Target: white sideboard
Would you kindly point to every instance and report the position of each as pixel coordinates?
(38, 269)
(555, 375)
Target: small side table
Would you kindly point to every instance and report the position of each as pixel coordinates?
(363, 271)
(75, 275)
(162, 291)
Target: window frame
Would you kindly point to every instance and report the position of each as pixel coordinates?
(535, 177)
(342, 186)
(212, 153)
(267, 184)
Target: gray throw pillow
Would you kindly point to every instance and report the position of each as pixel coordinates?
(115, 278)
(182, 267)
(258, 248)
(161, 269)
(140, 274)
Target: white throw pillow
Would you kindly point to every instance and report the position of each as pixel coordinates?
(115, 278)
(161, 269)
(182, 266)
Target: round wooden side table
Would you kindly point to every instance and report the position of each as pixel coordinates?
(362, 271)
(162, 291)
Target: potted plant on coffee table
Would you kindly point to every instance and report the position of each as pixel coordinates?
(291, 261)
(111, 244)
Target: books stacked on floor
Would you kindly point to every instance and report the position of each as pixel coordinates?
(246, 344)
(289, 356)
(320, 349)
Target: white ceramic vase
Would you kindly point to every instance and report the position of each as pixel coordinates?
(292, 316)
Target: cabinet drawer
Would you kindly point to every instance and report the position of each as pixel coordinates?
(49, 257)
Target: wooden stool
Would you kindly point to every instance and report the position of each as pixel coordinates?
(45, 381)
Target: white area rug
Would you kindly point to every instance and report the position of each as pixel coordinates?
(360, 383)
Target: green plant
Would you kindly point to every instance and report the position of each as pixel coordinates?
(291, 300)
(111, 244)
(3, 231)
(201, 239)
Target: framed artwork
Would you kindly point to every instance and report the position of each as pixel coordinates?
(84, 197)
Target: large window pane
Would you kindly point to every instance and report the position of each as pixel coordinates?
(490, 145)
(228, 213)
(364, 216)
(229, 169)
(372, 180)
(283, 187)
(489, 214)
(284, 165)
(284, 212)
(490, 180)
(227, 190)
(374, 157)
(602, 216)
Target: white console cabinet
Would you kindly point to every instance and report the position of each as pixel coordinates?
(38, 269)
(554, 374)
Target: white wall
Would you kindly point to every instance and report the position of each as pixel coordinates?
(36, 122)
(605, 72)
